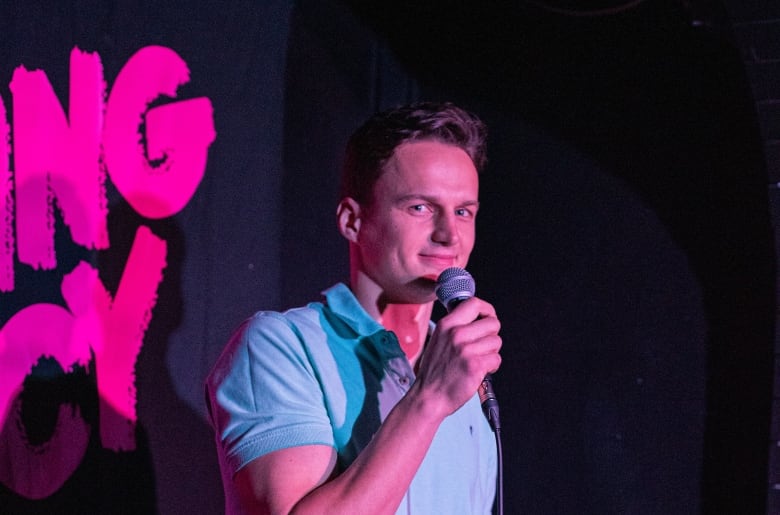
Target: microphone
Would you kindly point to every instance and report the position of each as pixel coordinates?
(453, 286)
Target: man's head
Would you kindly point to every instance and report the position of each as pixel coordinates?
(410, 205)
(374, 142)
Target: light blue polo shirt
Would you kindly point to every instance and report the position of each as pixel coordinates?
(329, 374)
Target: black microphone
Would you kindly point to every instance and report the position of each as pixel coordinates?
(453, 286)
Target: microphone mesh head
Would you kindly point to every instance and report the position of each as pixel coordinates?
(453, 285)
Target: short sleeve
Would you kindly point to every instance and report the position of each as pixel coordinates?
(263, 393)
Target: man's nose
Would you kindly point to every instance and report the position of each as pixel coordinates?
(445, 229)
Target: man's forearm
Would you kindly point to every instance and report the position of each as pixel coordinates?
(378, 479)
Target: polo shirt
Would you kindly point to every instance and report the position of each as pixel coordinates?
(329, 374)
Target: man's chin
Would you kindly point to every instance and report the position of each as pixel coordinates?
(426, 281)
(426, 287)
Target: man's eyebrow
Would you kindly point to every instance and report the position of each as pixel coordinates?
(431, 199)
(414, 196)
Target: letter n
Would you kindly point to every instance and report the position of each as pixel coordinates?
(54, 159)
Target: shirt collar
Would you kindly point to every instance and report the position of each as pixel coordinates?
(342, 302)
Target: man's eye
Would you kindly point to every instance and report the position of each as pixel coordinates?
(420, 208)
(463, 212)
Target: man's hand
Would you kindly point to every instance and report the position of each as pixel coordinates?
(462, 350)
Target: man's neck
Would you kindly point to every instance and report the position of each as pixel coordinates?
(409, 322)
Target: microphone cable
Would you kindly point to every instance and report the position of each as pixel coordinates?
(499, 473)
(490, 407)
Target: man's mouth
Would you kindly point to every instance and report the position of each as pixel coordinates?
(439, 261)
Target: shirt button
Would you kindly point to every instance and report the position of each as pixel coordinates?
(403, 380)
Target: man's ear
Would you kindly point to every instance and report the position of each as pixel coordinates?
(348, 215)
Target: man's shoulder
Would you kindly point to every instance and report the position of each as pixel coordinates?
(338, 294)
(301, 313)
(279, 322)
(268, 336)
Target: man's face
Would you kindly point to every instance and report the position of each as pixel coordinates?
(421, 220)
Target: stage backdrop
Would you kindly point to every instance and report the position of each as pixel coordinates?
(167, 169)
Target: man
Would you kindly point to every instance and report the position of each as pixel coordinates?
(360, 404)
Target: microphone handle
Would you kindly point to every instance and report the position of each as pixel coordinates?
(489, 402)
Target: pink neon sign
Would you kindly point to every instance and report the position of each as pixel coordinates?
(96, 141)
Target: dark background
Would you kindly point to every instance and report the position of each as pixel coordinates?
(624, 237)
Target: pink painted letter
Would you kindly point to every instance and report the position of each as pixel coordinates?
(51, 156)
(159, 176)
(6, 208)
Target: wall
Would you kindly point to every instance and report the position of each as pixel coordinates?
(756, 28)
